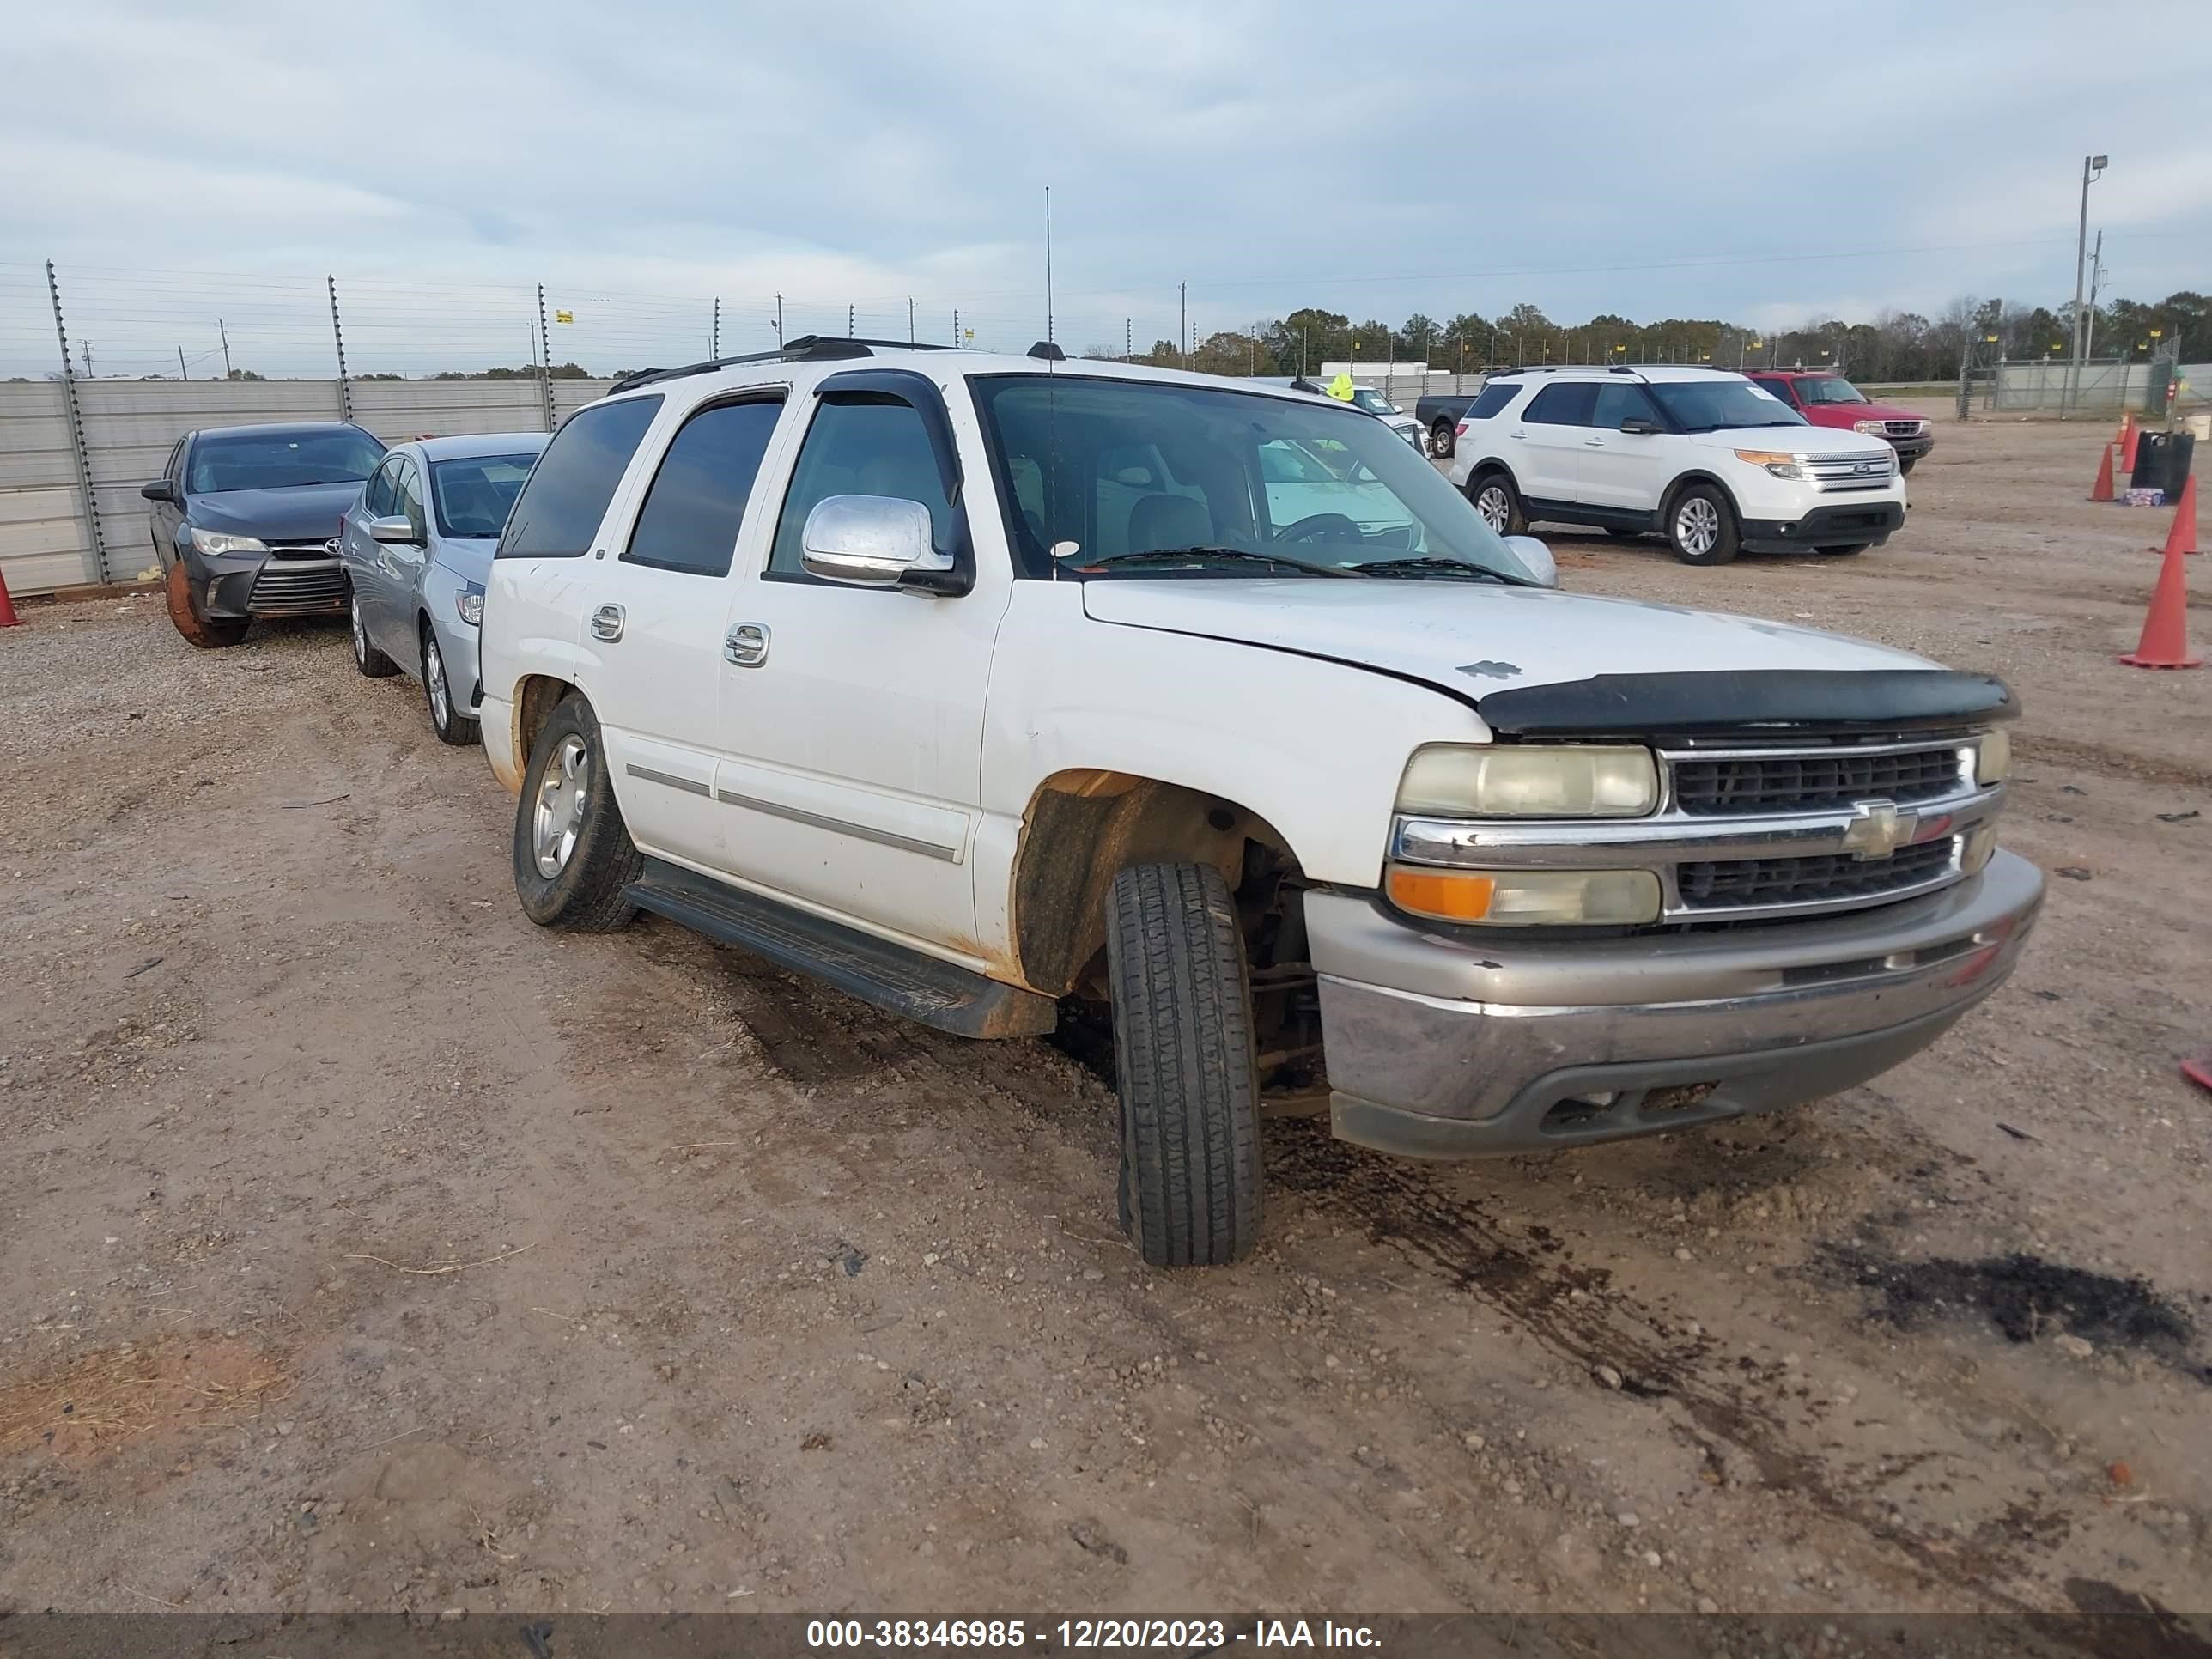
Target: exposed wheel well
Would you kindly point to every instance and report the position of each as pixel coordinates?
(1674, 490)
(1083, 827)
(535, 700)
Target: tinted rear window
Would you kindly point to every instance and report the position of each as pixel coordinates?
(1563, 405)
(559, 511)
(1491, 398)
(698, 500)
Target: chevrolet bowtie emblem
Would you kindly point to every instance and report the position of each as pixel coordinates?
(1878, 828)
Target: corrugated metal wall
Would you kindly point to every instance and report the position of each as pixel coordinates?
(130, 426)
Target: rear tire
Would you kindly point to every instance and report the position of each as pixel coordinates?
(208, 634)
(1498, 501)
(1184, 1067)
(1844, 552)
(572, 853)
(451, 726)
(1701, 525)
(366, 657)
(1443, 439)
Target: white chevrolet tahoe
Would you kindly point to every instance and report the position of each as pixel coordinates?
(1704, 457)
(980, 686)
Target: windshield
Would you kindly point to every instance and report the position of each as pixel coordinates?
(281, 460)
(1374, 403)
(474, 495)
(1721, 406)
(1829, 389)
(1194, 481)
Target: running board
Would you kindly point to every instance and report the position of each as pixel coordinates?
(892, 976)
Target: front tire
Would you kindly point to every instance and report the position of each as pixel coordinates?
(1701, 526)
(1184, 1067)
(1498, 501)
(208, 634)
(1443, 439)
(451, 728)
(572, 853)
(366, 657)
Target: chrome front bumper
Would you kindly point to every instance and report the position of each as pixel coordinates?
(1450, 1046)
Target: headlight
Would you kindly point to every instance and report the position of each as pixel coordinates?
(1781, 465)
(1993, 757)
(215, 541)
(1527, 899)
(1872, 429)
(470, 603)
(1462, 780)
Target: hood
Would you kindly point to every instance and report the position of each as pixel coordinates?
(1479, 643)
(1799, 439)
(1843, 415)
(304, 512)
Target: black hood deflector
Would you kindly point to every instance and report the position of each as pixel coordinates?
(1750, 704)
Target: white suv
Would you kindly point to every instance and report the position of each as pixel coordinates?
(1715, 464)
(977, 685)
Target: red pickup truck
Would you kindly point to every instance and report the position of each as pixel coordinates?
(1831, 400)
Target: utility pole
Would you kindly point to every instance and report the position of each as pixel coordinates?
(2090, 166)
(181, 374)
(2089, 323)
(225, 335)
(909, 320)
(1182, 328)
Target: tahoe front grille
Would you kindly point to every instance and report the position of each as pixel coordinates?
(1742, 784)
(292, 586)
(1823, 878)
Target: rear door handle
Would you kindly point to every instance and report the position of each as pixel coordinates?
(1594, 443)
(746, 644)
(607, 623)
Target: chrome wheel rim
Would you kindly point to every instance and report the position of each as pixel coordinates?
(1697, 526)
(1491, 503)
(558, 814)
(360, 633)
(434, 678)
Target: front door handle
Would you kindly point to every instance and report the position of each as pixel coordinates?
(1594, 443)
(607, 623)
(746, 644)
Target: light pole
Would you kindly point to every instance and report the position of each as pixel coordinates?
(2091, 166)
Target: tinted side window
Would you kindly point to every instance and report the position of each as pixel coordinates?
(171, 469)
(376, 500)
(407, 496)
(697, 499)
(1563, 405)
(875, 448)
(1491, 398)
(1616, 403)
(559, 511)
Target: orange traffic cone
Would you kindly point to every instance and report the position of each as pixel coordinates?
(2102, 490)
(8, 617)
(2184, 533)
(2129, 432)
(2165, 642)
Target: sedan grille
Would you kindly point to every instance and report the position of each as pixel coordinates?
(1824, 879)
(293, 586)
(1835, 473)
(1811, 781)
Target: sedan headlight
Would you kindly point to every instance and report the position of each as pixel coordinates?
(1781, 464)
(1527, 899)
(217, 541)
(1463, 780)
(1992, 757)
(470, 603)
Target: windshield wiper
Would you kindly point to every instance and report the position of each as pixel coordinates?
(1429, 563)
(1186, 555)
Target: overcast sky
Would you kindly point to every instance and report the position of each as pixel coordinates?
(1686, 159)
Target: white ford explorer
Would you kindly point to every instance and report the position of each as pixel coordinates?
(979, 686)
(1709, 461)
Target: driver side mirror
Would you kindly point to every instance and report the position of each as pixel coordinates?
(1542, 568)
(159, 490)
(1642, 425)
(397, 528)
(869, 541)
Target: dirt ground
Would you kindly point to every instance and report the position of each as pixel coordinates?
(367, 1248)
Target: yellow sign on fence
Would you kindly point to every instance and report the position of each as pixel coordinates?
(564, 316)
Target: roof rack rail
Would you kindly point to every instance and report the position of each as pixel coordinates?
(806, 348)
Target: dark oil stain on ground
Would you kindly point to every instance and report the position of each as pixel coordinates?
(2024, 1296)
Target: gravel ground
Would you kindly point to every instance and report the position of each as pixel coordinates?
(368, 1247)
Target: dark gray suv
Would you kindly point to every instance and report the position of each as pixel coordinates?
(245, 522)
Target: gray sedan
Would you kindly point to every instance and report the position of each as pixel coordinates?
(417, 545)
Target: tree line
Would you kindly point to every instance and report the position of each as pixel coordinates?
(1898, 345)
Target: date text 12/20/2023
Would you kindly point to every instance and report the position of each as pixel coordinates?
(1072, 1635)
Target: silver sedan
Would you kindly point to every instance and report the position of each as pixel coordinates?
(417, 545)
